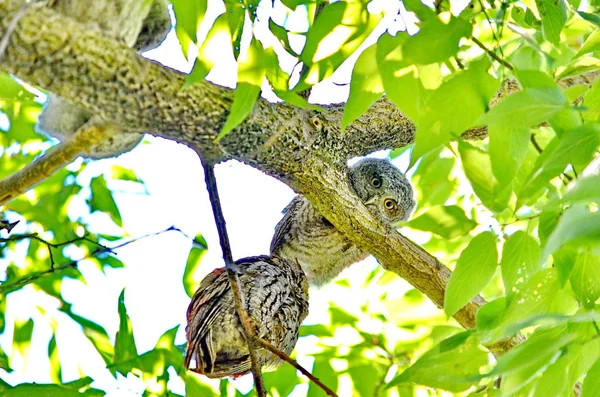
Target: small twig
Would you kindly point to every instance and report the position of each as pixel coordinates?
(536, 145)
(491, 53)
(295, 364)
(5, 288)
(489, 21)
(247, 327)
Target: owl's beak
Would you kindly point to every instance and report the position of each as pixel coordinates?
(371, 200)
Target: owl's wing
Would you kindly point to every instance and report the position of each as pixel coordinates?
(282, 229)
(266, 286)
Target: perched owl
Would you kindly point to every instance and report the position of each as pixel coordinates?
(275, 293)
(306, 236)
(140, 24)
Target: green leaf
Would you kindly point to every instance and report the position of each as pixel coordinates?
(436, 41)
(446, 221)
(189, 16)
(585, 277)
(365, 86)
(251, 73)
(530, 359)
(125, 348)
(4, 362)
(192, 275)
(46, 390)
(323, 370)
(577, 226)
(592, 43)
(124, 174)
(478, 169)
(527, 108)
(401, 85)
(520, 260)
(439, 119)
(508, 148)
(585, 190)
(591, 384)
(195, 387)
(448, 365)
(554, 17)
(432, 181)
(217, 41)
(474, 269)
(575, 147)
(102, 200)
(282, 34)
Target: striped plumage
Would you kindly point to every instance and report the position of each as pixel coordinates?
(306, 236)
(275, 292)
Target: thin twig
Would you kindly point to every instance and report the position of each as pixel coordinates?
(491, 53)
(5, 288)
(247, 327)
(295, 364)
(535, 144)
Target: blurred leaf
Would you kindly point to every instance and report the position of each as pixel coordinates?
(44, 390)
(554, 17)
(520, 259)
(364, 378)
(192, 275)
(195, 387)
(55, 367)
(577, 226)
(316, 330)
(4, 362)
(527, 108)
(592, 43)
(473, 271)
(251, 73)
(585, 277)
(478, 169)
(439, 119)
(22, 336)
(365, 86)
(122, 173)
(449, 365)
(585, 190)
(436, 41)
(102, 200)
(125, 348)
(508, 148)
(432, 180)
(446, 221)
(575, 147)
(591, 385)
(325, 373)
(284, 380)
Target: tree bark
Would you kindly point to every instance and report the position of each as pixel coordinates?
(304, 148)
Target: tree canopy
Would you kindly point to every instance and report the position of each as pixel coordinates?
(493, 106)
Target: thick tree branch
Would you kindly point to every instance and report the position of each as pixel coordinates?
(304, 148)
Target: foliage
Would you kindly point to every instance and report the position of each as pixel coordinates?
(516, 215)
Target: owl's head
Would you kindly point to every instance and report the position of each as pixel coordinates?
(383, 188)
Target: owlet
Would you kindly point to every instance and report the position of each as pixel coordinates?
(323, 252)
(275, 292)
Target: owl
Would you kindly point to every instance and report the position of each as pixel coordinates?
(275, 293)
(306, 236)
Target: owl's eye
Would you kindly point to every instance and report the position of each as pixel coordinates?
(390, 204)
(376, 182)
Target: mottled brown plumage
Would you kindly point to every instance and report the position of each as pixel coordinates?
(275, 292)
(306, 236)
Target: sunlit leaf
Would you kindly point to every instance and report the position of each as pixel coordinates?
(591, 386)
(125, 348)
(102, 199)
(365, 86)
(191, 275)
(508, 148)
(577, 226)
(446, 221)
(520, 259)
(473, 271)
(554, 17)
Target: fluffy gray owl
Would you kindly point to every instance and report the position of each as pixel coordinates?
(275, 292)
(306, 236)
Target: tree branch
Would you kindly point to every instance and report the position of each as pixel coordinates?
(247, 327)
(289, 143)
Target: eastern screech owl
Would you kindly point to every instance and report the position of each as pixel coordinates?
(323, 252)
(275, 292)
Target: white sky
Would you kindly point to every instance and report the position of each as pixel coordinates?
(154, 297)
